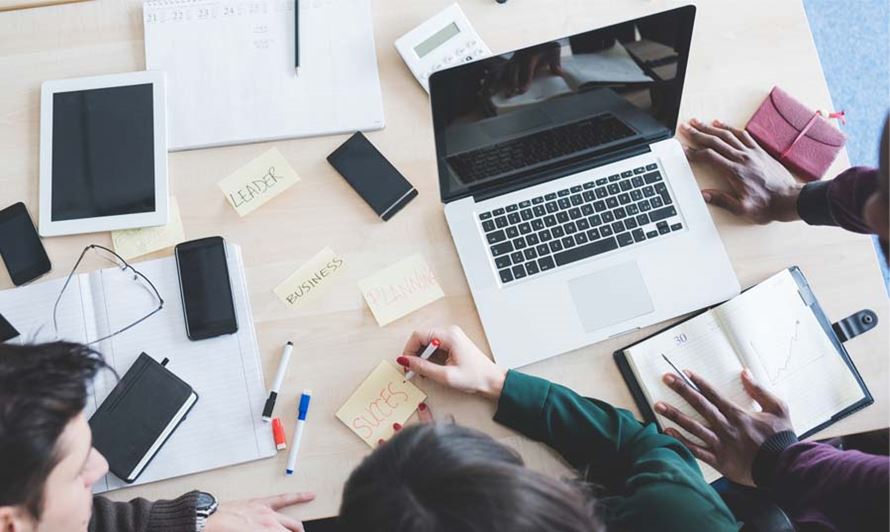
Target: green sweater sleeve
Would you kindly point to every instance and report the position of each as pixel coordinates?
(652, 480)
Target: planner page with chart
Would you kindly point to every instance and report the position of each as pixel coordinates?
(231, 76)
(768, 329)
(224, 427)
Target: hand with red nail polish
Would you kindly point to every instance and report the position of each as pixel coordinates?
(396, 427)
(466, 367)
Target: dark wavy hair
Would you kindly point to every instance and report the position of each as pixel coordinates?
(42, 388)
(444, 477)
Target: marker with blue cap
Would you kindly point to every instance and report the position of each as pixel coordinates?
(298, 431)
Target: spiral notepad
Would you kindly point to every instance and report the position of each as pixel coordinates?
(230, 69)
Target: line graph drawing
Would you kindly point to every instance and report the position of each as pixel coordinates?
(787, 353)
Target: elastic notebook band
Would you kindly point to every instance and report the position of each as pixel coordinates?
(800, 135)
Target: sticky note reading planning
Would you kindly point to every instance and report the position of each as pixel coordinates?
(258, 181)
(384, 398)
(400, 289)
(310, 280)
(131, 243)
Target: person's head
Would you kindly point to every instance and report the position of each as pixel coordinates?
(47, 461)
(443, 477)
(877, 208)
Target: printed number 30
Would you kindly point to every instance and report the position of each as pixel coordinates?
(680, 339)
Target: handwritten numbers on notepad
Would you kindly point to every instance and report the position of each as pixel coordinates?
(680, 339)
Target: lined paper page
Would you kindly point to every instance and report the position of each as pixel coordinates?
(225, 425)
(779, 338)
(30, 310)
(231, 76)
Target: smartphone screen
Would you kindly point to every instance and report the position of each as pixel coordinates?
(20, 246)
(374, 178)
(206, 289)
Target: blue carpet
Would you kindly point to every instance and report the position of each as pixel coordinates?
(853, 42)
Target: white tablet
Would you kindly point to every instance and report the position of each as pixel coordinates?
(103, 153)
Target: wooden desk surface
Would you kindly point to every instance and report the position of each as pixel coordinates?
(739, 51)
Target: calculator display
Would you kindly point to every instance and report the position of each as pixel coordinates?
(437, 39)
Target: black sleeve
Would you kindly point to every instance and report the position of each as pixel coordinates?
(140, 515)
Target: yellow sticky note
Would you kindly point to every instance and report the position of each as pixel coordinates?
(130, 243)
(384, 398)
(258, 181)
(310, 280)
(400, 289)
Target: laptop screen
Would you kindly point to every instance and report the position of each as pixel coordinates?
(548, 108)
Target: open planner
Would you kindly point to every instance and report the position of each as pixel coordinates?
(231, 76)
(224, 427)
(777, 330)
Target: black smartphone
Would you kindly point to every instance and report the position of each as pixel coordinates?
(374, 178)
(205, 287)
(20, 246)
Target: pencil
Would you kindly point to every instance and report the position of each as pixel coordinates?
(681, 374)
(297, 35)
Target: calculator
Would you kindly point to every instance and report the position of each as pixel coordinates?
(445, 40)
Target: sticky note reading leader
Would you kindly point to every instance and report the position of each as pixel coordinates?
(258, 181)
(384, 398)
(400, 289)
(311, 279)
(130, 243)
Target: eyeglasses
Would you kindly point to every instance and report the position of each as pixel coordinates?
(119, 262)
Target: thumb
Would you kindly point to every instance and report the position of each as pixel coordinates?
(766, 399)
(723, 200)
(424, 368)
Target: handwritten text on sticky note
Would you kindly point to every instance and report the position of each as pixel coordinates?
(131, 243)
(311, 279)
(384, 398)
(399, 289)
(258, 181)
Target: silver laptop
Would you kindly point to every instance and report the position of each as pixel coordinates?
(572, 207)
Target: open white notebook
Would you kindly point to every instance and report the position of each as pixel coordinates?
(774, 330)
(230, 69)
(225, 425)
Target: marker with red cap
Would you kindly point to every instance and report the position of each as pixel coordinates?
(428, 352)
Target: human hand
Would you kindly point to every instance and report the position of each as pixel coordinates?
(733, 435)
(466, 368)
(762, 190)
(520, 70)
(257, 514)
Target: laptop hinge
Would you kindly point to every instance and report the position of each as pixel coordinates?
(561, 170)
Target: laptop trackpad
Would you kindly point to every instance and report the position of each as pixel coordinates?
(610, 296)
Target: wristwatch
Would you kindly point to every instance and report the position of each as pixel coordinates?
(205, 506)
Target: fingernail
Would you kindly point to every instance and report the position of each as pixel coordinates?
(669, 379)
(396, 427)
(694, 121)
(706, 196)
(747, 374)
(660, 408)
(403, 361)
(381, 441)
(421, 407)
(717, 122)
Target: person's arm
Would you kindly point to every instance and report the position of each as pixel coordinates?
(816, 483)
(761, 189)
(839, 201)
(140, 515)
(656, 478)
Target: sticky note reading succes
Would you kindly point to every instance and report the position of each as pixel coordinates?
(258, 181)
(311, 279)
(131, 243)
(384, 398)
(400, 289)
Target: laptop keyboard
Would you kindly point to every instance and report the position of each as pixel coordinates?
(556, 229)
(540, 147)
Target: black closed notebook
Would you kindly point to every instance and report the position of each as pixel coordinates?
(139, 415)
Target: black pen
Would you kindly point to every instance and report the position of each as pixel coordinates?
(297, 36)
(681, 374)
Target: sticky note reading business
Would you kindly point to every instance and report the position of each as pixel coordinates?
(311, 279)
(384, 398)
(131, 243)
(400, 289)
(258, 181)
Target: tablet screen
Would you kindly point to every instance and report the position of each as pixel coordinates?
(103, 152)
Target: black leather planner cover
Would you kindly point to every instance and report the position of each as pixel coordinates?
(806, 293)
(136, 413)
